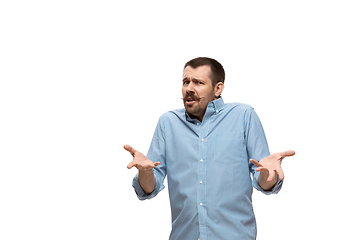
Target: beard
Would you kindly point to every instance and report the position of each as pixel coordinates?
(194, 109)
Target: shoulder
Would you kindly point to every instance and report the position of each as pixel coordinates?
(173, 114)
(238, 107)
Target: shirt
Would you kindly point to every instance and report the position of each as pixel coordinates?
(208, 170)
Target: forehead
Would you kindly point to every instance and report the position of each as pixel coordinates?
(202, 72)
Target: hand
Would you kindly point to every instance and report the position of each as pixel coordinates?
(272, 164)
(140, 161)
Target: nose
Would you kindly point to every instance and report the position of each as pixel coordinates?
(190, 88)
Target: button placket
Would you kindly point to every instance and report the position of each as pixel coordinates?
(202, 164)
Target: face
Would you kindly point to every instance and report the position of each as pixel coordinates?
(198, 90)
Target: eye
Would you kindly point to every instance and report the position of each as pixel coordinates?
(186, 82)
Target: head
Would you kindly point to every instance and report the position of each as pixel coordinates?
(203, 82)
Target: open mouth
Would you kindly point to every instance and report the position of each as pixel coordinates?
(190, 100)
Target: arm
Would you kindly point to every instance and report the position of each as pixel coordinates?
(147, 180)
(267, 173)
(145, 166)
(270, 169)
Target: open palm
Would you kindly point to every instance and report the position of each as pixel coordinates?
(140, 161)
(272, 164)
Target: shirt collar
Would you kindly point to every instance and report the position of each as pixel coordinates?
(213, 107)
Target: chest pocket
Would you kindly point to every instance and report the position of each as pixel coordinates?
(229, 148)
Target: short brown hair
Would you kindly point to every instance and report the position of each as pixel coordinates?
(217, 70)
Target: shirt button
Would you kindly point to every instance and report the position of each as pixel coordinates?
(217, 111)
(201, 204)
(201, 160)
(200, 182)
(202, 140)
(197, 124)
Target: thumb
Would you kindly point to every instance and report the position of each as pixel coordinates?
(288, 153)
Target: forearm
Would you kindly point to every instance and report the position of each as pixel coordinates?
(147, 180)
(264, 184)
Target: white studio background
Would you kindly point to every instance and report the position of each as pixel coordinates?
(79, 79)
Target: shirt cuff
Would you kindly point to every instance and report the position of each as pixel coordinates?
(277, 187)
(140, 192)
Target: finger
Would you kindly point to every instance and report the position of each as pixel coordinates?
(131, 165)
(272, 174)
(157, 164)
(281, 173)
(262, 169)
(256, 163)
(130, 149)
(288, 153)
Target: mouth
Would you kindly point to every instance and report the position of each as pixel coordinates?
(190, 101)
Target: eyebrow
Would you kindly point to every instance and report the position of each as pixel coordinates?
(196, 79)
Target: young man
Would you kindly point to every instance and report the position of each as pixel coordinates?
(208, 152)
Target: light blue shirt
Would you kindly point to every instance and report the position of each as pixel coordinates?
(208, 170)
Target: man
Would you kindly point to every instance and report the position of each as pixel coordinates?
(208, 151)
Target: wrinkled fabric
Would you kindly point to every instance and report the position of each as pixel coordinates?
(210, 178)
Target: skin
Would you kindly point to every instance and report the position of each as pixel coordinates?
(270, 168)
(145, 166)
(198, 91)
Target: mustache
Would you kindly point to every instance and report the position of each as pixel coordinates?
(191, 95)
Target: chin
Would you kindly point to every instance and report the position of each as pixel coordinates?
(189, 110)
(193, 112)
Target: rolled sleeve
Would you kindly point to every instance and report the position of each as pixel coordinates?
(277, 187)
(140, 192)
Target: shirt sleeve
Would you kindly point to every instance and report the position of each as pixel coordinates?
(257, 148)
(156, 153)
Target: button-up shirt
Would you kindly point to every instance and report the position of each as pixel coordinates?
(210, 178)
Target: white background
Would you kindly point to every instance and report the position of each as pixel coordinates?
(79, 79)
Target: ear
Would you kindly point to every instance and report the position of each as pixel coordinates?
(219, 87)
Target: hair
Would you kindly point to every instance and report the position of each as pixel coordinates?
(217, 70)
